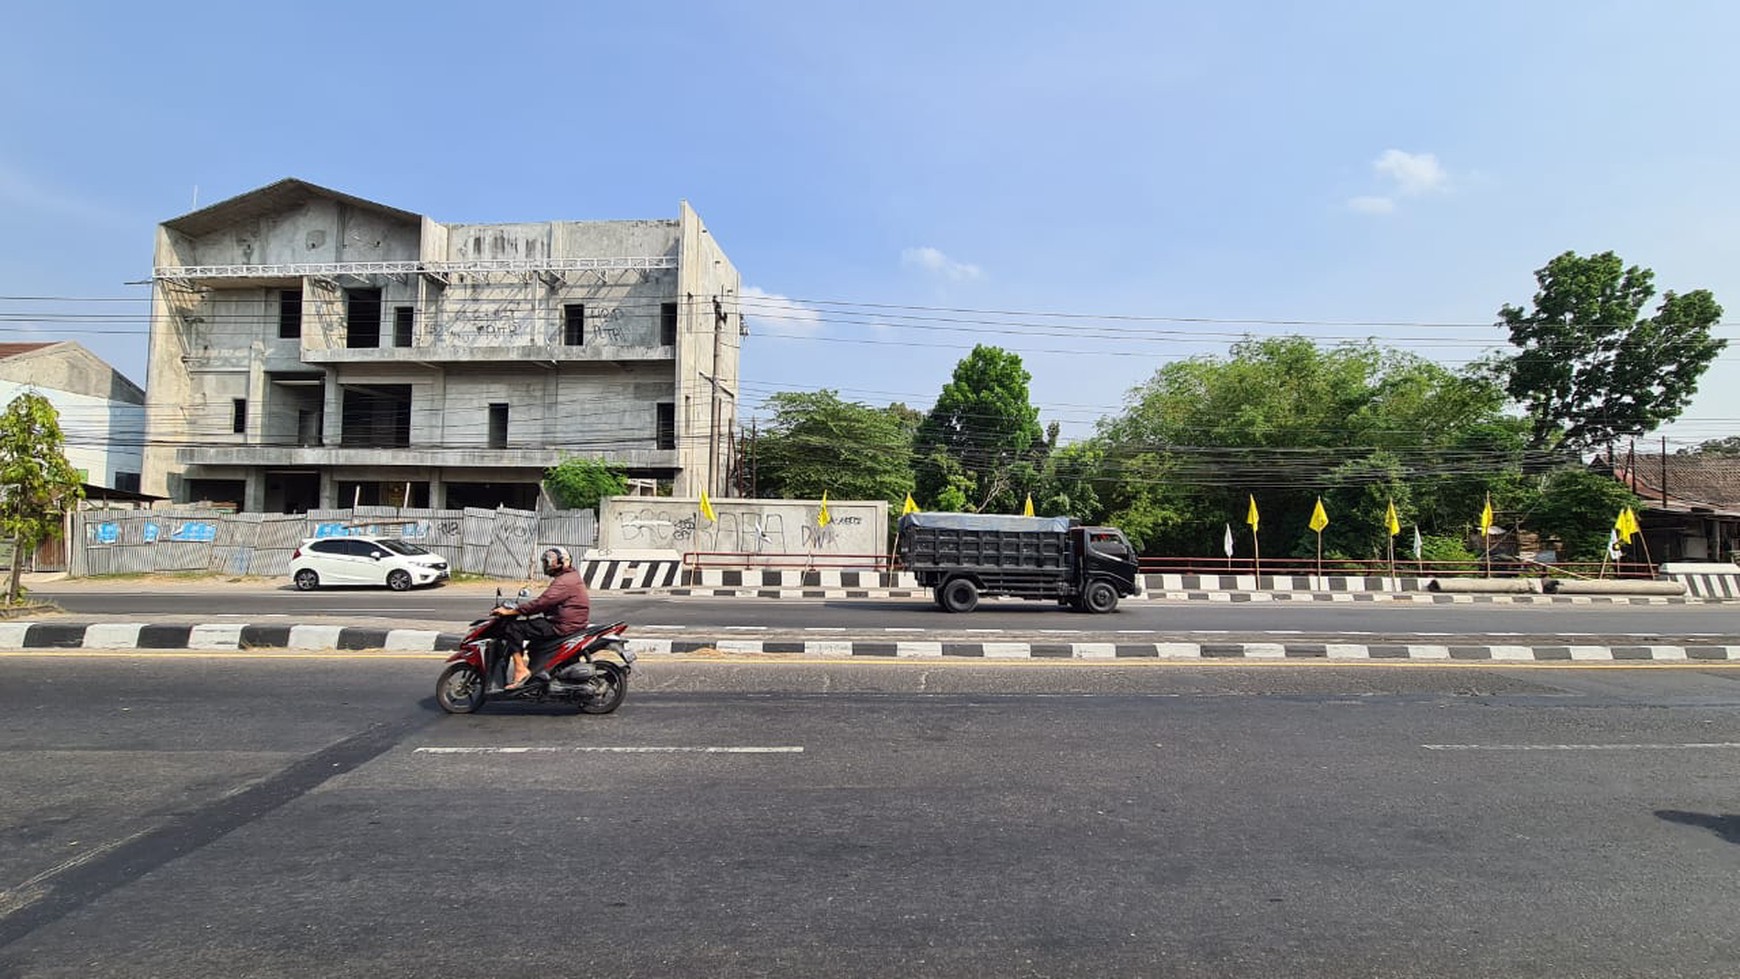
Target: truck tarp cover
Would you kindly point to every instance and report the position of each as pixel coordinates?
(985, 521)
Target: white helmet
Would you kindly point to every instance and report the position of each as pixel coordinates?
(554, 559)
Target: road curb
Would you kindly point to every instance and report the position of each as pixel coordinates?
(224, 636)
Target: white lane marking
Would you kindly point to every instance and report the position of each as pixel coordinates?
(746, 628)
(824, 628)
(621, 749)
(902, 629)
(1581, 747)
(661, 627)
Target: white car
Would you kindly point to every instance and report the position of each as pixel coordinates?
(363, 560)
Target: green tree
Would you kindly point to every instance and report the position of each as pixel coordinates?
(815, 442)
(579, 483)
(1289, 421)
(1729, 446)
(985, 424)
(37, 485)
(1588, 368)
(1578, 507)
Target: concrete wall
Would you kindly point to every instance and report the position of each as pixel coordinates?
(761, 532)
(707, 355)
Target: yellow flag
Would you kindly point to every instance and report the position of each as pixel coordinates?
(1626, 525)
(910, 506)
(1319, 519)
(1486, 516)
(1390, 521)
(822, 518)
(707, 508)
(1027, 511)
(1251, 516)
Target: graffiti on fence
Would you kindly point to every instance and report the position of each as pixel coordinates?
(737, 528)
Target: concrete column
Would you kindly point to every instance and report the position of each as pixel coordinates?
(254, 491)
(332, 415)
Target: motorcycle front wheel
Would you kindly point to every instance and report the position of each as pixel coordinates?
(460, 689)
(610, 684)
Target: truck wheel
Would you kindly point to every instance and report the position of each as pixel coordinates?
(960, 595)
(1100, 597)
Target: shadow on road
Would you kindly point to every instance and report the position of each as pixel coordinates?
(1727, 827)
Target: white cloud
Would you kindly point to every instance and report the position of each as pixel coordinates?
(1408, 175)
(1371, 205)
(935, 262)
(769, 309)
(1414, 173)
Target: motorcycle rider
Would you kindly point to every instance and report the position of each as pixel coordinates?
(566, 606)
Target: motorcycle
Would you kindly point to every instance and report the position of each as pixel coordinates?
(478, 671)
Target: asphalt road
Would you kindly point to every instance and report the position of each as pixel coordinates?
(449, 608)
(198, 816)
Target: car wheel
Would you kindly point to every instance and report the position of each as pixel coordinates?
(399, 579)
(306, 580)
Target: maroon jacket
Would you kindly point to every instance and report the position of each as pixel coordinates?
(566, 603)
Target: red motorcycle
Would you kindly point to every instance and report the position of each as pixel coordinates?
(575, 673)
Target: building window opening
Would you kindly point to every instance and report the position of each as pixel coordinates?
(498, 421)
(377, 415)
(362, 318)
(239, 416)
(402, 320)
(574, 324)
(126, 482)
(668, 324)
(289, 314)
(665, 433)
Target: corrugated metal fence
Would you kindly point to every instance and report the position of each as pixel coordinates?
(500, 543)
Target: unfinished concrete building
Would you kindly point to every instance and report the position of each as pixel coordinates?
(313, 349)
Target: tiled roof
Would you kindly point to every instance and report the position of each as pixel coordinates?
(14, 349)
(1702, 481)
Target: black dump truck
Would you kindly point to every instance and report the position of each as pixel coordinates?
(962, 556)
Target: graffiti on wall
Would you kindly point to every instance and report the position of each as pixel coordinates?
(771, 527)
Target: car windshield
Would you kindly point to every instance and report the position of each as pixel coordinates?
(402, 547)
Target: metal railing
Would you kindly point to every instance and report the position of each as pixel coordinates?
(1499, 566)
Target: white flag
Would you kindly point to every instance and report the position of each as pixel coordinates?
(1229, 540)
(1416, 542)
(1614, 551)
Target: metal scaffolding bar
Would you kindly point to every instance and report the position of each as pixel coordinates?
(183, 273)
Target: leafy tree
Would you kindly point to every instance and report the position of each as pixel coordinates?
(1729, 446)
(985, 423)
(579, 484)
(1588, 369)
(1578, 507)
(816, 442)
(37, 485)
(1288, 421)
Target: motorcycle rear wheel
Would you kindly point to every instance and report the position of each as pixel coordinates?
(611, 682)
(460, 689)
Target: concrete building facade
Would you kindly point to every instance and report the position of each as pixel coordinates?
(102, 413)
(314, 349)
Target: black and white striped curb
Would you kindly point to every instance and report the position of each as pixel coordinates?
(217, 636)
(1195, 651)
(230, 636)
(1415, 598)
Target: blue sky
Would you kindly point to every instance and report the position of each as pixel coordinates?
(1364, 162)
